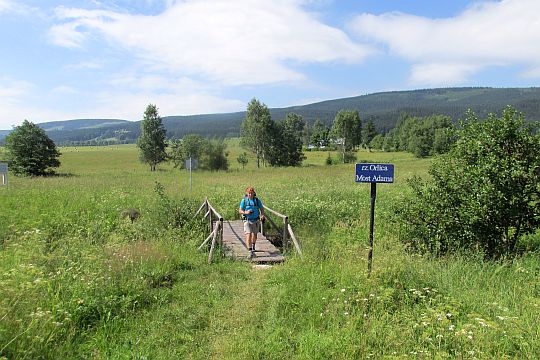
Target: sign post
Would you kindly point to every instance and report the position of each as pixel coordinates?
(4, 173)
(191, 164)
(373, 174)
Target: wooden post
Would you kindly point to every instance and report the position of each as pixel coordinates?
(210, 227)
(295, 242)
(221, 233)
(285, 232)
(213, 245)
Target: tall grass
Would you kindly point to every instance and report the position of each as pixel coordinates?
(78, 281)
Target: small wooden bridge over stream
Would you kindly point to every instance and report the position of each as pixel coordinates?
(227, 237)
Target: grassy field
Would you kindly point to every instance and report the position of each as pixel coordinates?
(78, 281)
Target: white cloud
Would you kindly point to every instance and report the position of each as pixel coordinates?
(10, 90)
(532, 73)
(65, 90)
(67, 35)
(495, 33)
(14, 7)
(124, 97)
(232, 42)
(6, 5)
(85, 65)
(131, 106)
(441, 74)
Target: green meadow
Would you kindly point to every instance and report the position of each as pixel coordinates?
(79, 281)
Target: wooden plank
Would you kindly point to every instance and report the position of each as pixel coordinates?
(234, 245)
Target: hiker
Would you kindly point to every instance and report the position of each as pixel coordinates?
(252, 211)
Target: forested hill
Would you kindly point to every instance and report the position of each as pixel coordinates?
(383, 108)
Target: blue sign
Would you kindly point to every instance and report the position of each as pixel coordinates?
(375, 173)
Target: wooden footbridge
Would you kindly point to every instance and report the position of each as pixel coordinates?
(228, 237)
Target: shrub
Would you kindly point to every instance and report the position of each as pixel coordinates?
(484, 193)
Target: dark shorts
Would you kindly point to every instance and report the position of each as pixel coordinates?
(251, 227)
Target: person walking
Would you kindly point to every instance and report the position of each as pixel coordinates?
(252, 211)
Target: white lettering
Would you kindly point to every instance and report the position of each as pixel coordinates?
(378, 167)
(363, 178)
(379, 178)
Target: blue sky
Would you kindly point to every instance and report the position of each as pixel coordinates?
(62, 60)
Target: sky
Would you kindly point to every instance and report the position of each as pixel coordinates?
(62, 60)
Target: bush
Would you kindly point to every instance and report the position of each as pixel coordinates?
(168, 214)
(484, 193)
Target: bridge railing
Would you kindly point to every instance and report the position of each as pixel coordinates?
(286, 232)
(216, 232)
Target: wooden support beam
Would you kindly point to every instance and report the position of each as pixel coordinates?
(202, 206)
(205, 241)
(295, 242)
(213, 246)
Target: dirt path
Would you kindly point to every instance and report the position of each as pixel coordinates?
(230, 326)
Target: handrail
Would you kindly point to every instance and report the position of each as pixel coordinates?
(214, 231)
(274, 212)
(287, 229)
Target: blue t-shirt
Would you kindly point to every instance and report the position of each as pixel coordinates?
(254, 205)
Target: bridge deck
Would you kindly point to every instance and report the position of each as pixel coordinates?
(234, 245)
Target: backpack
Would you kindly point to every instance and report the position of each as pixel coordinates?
(256, 202)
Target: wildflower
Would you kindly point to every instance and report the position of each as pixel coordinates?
(342, 290)
(345, 313)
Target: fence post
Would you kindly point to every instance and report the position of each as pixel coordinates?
(221, 233)
(285, 232)
(210, 227)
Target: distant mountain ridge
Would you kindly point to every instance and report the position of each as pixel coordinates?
(69, 125)
(383, 108)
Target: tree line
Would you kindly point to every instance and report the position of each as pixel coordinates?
(422, 136)
(274, 143)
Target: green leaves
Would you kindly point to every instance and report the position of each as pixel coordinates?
(152, 139)
(211, 154)
(484, 193)
(279, 143)
(30, 151)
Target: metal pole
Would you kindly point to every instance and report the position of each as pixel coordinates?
(371, 224)
(190, 176)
